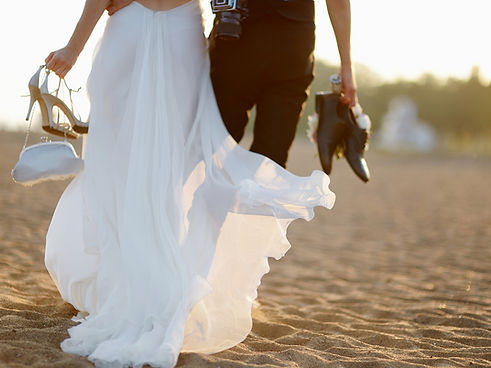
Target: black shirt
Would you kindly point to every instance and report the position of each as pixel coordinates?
(298, 10)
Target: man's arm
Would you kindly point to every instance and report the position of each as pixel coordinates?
(115, 5)
(340, 15)
(62, 60)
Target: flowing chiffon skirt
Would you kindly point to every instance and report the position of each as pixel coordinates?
(162, 240)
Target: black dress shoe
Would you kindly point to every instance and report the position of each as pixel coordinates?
(333, 127)
(338, 132)
(355, 144)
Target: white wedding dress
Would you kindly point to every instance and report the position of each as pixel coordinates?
(162, 240)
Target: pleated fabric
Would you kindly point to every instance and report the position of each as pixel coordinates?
(162, 240)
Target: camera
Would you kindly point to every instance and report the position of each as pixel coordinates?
(229, 15)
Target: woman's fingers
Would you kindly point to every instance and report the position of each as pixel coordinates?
(56, 67)
(60, 62)
(60, 72)
(50, 56)
(63, 72)
(53, 61)
(116, 5)
(52, 64)
(111, 10)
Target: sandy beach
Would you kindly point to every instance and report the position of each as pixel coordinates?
(397, 275)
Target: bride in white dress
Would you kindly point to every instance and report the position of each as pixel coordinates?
(162, 240)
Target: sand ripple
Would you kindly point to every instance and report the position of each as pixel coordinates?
(397, 275)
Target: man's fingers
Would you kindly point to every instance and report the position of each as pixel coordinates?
(348, 99)
(349, 95)
(345, 99)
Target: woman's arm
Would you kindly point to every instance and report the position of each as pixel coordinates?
(340, 15)
(62, 60)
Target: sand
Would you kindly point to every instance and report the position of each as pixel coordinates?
(398, 274)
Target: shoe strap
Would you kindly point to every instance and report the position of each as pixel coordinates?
(70, 91)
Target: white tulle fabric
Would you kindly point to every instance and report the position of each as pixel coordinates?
(163, 238)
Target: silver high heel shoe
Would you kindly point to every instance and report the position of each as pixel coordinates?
(59, 129)
(76, 125)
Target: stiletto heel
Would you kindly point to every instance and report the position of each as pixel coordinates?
(50, 101)
(29, 110)
(63, 130)
(34, 92)
(46, 160)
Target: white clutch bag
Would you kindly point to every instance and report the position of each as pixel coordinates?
(46, 161)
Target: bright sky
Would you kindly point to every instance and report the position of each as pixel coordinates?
(395, 38)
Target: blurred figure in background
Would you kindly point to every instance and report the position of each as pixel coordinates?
(402, 129)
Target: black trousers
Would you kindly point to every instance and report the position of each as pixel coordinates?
(271, 67)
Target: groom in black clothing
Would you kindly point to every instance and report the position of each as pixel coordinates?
(271, 67)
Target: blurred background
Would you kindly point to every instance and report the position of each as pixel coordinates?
(422, 66)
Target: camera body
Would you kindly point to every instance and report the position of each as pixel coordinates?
(229, 15)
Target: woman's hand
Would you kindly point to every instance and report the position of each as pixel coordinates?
(116, 5)
(61, 61)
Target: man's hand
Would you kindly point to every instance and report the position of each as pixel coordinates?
(349, 96)
(116, 5)
(340, 15)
